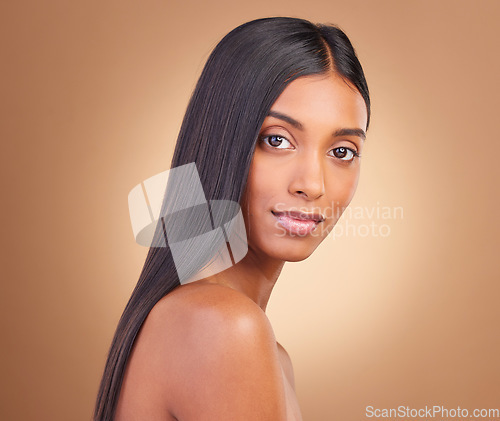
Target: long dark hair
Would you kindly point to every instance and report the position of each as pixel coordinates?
(243, 77)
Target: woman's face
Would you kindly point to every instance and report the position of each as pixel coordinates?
(306, 162)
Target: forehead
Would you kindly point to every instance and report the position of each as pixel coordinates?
(323, 98)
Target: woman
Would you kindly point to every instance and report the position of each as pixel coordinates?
(276, 123)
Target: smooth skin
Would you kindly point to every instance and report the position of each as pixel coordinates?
(207, 351)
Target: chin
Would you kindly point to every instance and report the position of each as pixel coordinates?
(292, 252)
(297, 258)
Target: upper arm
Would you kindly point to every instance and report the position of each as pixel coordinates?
(224, 365)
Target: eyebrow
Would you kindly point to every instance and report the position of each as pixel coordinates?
(298, 125)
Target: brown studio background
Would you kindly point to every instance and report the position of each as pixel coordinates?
(93, 94)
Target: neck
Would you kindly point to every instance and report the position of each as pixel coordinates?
(253, 276)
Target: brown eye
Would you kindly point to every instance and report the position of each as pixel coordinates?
(345, 154)
(275, 141)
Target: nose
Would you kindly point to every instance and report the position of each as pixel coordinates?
(308, 178)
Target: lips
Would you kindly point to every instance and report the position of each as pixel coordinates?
(298, 223)
(301, 216)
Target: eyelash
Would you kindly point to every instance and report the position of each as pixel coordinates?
(354, 152)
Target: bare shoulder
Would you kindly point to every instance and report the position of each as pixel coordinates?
(192, 305)
(219, 358)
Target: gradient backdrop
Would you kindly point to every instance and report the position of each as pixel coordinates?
(403, 309)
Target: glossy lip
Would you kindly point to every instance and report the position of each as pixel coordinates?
(298, 223)
(301, 216)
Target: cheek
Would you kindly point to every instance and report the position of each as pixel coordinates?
(252, 197)
(341, 193)
(259, 185)
(352, 186)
